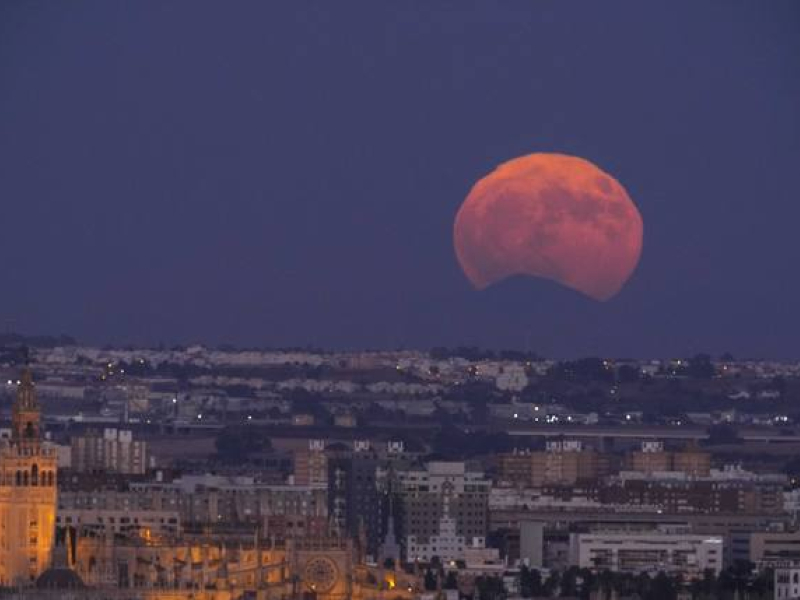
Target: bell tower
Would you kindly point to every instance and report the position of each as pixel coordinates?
(26, 415)
(28, 492)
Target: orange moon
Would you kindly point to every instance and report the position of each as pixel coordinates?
(553, 216)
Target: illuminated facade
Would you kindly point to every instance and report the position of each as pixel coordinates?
(27, 493)
(324, 568)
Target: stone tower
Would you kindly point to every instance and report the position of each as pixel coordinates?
(27, 492)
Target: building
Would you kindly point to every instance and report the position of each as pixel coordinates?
(771, 548)
(787, 582)
(653, 458)
(147, 524)
(324, 568)
(565, 462)
(345, 420)
(311, 465)
(204, 500)
(443, 510)
(357, 501)
(673, 553)
(682, 494)
(531, 543)
(514, 468)
(27, 492)
(692, 462)
(113, 451)
(734, 529)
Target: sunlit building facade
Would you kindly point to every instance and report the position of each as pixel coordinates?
(27, 493)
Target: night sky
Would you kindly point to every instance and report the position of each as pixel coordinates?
(287, 173)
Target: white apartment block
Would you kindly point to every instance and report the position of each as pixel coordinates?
(113, 451)
(787, 582)
(651, 552)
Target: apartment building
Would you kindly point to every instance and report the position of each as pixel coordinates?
(112, 451)
(562, 462)
(653, 458)
(443, 508)
(652, 552)
(311, 464)
(772, 548)
(207, 500)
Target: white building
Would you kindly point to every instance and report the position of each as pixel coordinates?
(114, 451)
(447, 544)
(787, 582)
(444, 511)
(688, 555)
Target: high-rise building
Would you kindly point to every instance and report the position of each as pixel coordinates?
(27, 493)
(653, 458)
(311, 465)
(113, 451)
(444, 510)
(356, 499)
(692, 461)
(562, 463)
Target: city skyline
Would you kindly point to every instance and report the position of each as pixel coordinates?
(391, 300)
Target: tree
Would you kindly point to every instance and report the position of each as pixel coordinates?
(700, 367)
(430, 581)
(584, 370)
(662, 588)
(530, 582)
(704, 588)
(451, 581)
(587, 582)
(607, 583)
(763, 583)
(453, 442)
(552, 583)
(489, 588)
(723, 433)
(233, 445)
(628, 374)
(569, 582)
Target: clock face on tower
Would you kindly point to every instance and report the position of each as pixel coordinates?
(320, 574)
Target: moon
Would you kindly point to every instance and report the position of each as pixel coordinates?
(552, 216)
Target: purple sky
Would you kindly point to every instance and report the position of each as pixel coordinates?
(287, 173)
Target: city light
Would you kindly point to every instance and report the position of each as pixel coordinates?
(369, 249)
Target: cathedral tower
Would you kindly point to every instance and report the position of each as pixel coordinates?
(27, 492)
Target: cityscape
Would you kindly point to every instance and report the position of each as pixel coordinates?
(193, 472)
(399, 300)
